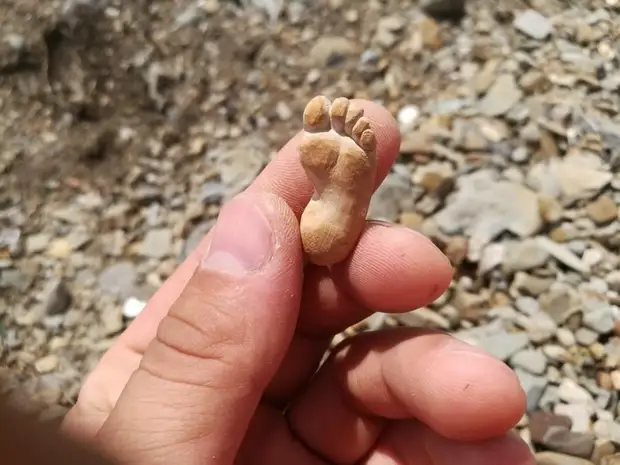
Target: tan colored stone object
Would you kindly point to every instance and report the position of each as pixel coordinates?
(338, 154)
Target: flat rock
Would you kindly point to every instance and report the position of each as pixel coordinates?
(533, 24)
(485, 207)
(530, 360)
(524, 255)
(571, 178)
(501, 97)
(157, 243)
(563, 254)
(603, 210)
(328, 50)
(118, 279)
(533, 386)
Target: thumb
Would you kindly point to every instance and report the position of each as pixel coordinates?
(202, 377)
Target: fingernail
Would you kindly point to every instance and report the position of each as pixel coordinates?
(243, 239)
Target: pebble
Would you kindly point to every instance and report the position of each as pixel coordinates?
(524, 256)
(501, 97)
(602, 210)
(533, 24)
(157, 243)
(530, 360)
(118, 279)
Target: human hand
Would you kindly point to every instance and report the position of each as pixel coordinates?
(204, 373)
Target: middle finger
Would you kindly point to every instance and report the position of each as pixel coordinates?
(457, 390)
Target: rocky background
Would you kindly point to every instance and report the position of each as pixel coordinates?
(126, 124)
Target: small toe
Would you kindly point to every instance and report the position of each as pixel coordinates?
(362, 125)
(338, 113)
(368, 141)
(354, 113)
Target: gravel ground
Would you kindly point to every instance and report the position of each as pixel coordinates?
(125, 125)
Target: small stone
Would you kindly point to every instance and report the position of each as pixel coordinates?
(111, 320)
(58, 299)
(37, 243)
(524, 256)
(133, 307)
(607, 429)
(157, 243)
(530, 285)
(540, 422)
(571, 392)
(563, 254)
(565, 337)
(533, 24)
(411, 220)
(527, 305)
(407, 117)
(59, 249)
(530, 360)
(431, 34)
(586, 337)
(559, 302)
(550, 210)
(561, 439)
(603, 210)
(329, 51)
(483, 208)
(613, 280)
(534, 387)
(579, 415)
(118, 279)
(503, 345)
(501, 97)
(47, 364)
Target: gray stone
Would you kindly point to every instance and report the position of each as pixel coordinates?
(118, 279)
(527, 305)
(585, 336)
(578, 413)
(157, 243)
(485, 207)
(530, 360)
(524, 256)
(533, 24)
(533, 386)
(501, 97)
(58, 298)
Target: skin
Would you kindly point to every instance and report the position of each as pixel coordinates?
(202, 375)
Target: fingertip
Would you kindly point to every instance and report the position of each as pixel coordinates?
(394, 269)
(469, 395)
